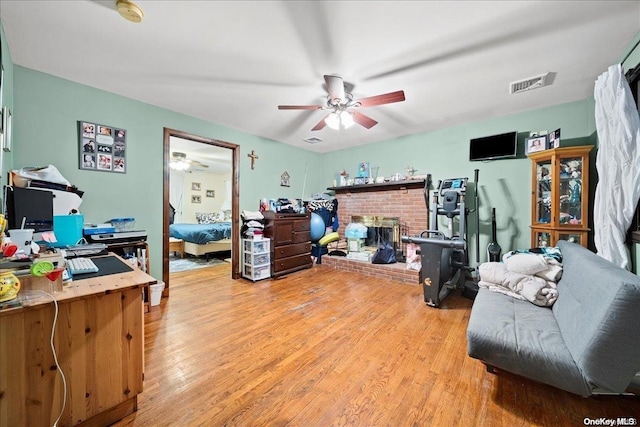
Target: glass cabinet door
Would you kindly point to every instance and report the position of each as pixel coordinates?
(573, 238)
(570, 191)
(543, 239)
(543, 191)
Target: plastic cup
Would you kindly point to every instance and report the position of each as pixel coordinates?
(22, 238)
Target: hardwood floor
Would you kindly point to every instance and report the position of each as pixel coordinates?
(328, 348)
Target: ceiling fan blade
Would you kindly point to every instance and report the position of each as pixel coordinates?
(335, 87)
(387, 98)
(198, 164)
(300, 107)
(363, 120)
(321, 124)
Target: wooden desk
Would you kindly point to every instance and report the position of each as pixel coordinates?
(99, 341)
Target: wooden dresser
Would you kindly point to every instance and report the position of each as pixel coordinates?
(290, 236)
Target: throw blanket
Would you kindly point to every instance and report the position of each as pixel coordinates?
(201, 234)
(525, 274)
(547, 267)
(496, 277)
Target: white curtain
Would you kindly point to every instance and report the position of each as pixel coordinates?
(617, 163)
(226, 205)
(176, 193)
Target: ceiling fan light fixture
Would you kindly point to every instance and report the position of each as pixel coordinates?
(129, 10)
(346, 118)
(179, 165)
(333, 121)
(339, 120)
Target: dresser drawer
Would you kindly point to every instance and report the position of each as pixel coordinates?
(302, 225)
(291, 263)
(301, 236)
(286, 251)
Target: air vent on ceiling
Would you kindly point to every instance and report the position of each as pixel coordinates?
(530, 83)
(312, 140)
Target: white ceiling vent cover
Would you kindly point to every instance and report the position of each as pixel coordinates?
(528, 84)
(312, 140)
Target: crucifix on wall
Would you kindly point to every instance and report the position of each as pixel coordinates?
(253, 158)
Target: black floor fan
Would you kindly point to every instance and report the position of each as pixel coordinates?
(493, 250)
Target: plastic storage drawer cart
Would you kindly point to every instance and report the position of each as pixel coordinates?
(256, 259)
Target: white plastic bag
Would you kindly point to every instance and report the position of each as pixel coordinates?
(44, 173)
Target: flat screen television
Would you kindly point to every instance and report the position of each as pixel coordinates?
(502, 146)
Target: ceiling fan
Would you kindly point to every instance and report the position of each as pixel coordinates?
(179, 161)
(344, 109)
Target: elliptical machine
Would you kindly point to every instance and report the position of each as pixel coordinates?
(444, 257)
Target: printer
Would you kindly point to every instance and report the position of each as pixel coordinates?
(107, 234)
(118, 237)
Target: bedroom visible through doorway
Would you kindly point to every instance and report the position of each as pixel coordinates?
(201, 203)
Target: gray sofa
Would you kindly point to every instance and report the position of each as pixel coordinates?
(587, 342)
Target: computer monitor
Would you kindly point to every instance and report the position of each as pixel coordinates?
(32, 205)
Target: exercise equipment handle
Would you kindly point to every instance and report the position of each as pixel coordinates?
(456, 244)
(476, 173)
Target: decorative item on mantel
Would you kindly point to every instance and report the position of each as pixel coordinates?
(374, 175)
(344, 175)
(410, 171)
(363, 170)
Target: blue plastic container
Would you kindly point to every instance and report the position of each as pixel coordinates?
(68, 229)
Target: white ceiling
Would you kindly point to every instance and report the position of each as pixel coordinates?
(234, 62)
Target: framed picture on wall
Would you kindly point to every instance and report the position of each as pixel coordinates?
(195, 186)
(196, 199)
(284, 179)
(211, 193)
(101, 148)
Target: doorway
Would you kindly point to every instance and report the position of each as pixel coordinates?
(235, 192)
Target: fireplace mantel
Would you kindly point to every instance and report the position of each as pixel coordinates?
(391, 185)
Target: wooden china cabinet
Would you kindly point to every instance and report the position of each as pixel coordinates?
(559, 195)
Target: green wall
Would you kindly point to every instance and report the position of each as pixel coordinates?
(46, 112)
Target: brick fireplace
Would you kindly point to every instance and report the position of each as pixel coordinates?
(400, 199)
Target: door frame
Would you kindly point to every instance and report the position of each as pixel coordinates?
(235, 200)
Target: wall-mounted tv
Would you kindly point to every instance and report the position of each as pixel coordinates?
(502, 146)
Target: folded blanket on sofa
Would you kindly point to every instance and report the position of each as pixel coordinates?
(496, 277)
(535, 264)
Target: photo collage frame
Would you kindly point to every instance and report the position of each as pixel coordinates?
(102, 148)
